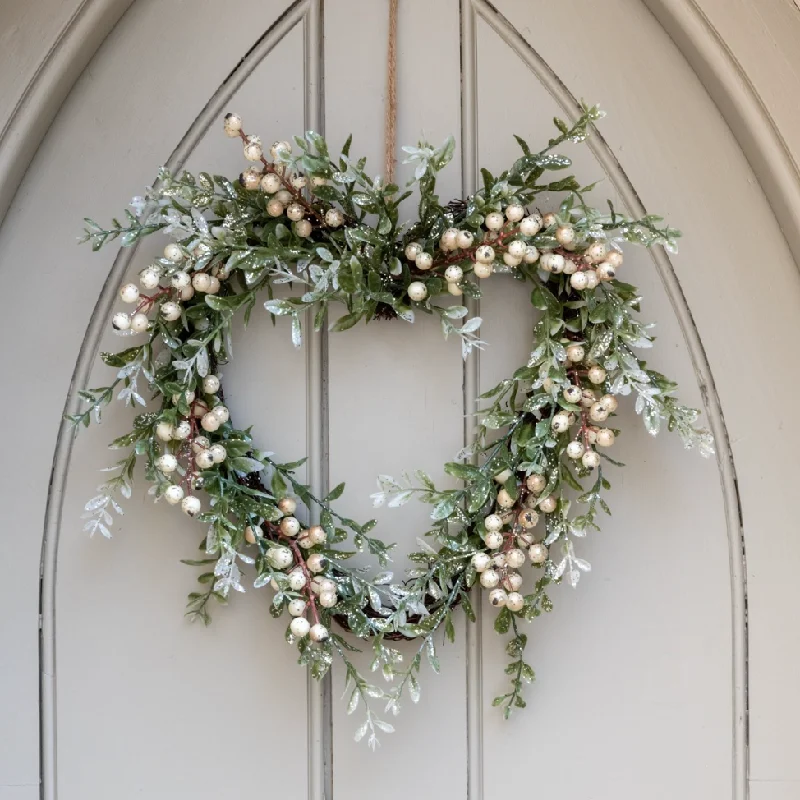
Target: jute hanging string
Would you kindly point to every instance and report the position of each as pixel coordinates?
(390, 126)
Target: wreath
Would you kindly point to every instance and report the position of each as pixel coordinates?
(533, 478)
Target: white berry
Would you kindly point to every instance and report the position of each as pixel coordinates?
(515, 601)
(565, 235)
(548, 504)
(596, 252)
(503, 476)
(275, 207)
(494, 221)
(605, 437)
(453, 274)
(483, 271)
(190, 505)
(280, 149)
(449, 240)
(334, 218)
(514, 212)
(481, 561)
(575, 450)
(517, 248)
(536, 483)
(164, 431)
(596, 374)
(303, 228)
(424, 261)
(531, 255)
(167, 463)
(527, 518)
(560, 422)
(319, 633)
(121, 321)
(576, 353)
(552, 262)
(211, 384)
(218, 453)
(297, 607)
(504, 499)
(465, 239)
(270, 183)
(280, 557)
(590, 459)
(252, 149)
(485, 254)
(531, 225)
(251, 534)
(317, 534)
(290, 526)
(599, 412)
(287, 505)
(173, 494)
(170, 310)
(572, 393)
(232, 125)
(209, 422)
(493, 522)
(204, 459)
(328, 599)
(300, 627)
(537, 553)
(578, 281)
(149, 277)
(515, 558)
(297, 580)
(493, 540)
(498, 597)
(605, 272)
(221, 413)
(412, 250)
(417, 291)
(490, 578)
(316, 562)
(610, 402)
(295, 212)
(129, 293)
(511, 261)
(173, 252)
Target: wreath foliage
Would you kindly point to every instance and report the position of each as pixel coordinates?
(533, 478)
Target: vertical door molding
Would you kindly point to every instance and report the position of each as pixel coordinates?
(301, 11)
(738, 577)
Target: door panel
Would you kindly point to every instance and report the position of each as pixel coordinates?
(637, 686)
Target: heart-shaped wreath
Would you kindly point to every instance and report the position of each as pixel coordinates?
(306, 220)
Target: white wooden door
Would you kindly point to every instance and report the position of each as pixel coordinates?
(642, 674)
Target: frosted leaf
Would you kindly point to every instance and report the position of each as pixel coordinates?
(361, 732)
(378, 499)
(400, 499)
(297, 335)
(406, 314)
(556, 571)
(96, 502)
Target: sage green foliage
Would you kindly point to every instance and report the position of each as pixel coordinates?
(351, 274)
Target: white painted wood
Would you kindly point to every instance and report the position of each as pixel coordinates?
(632, 663)
(414, 377)
(636, 663)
